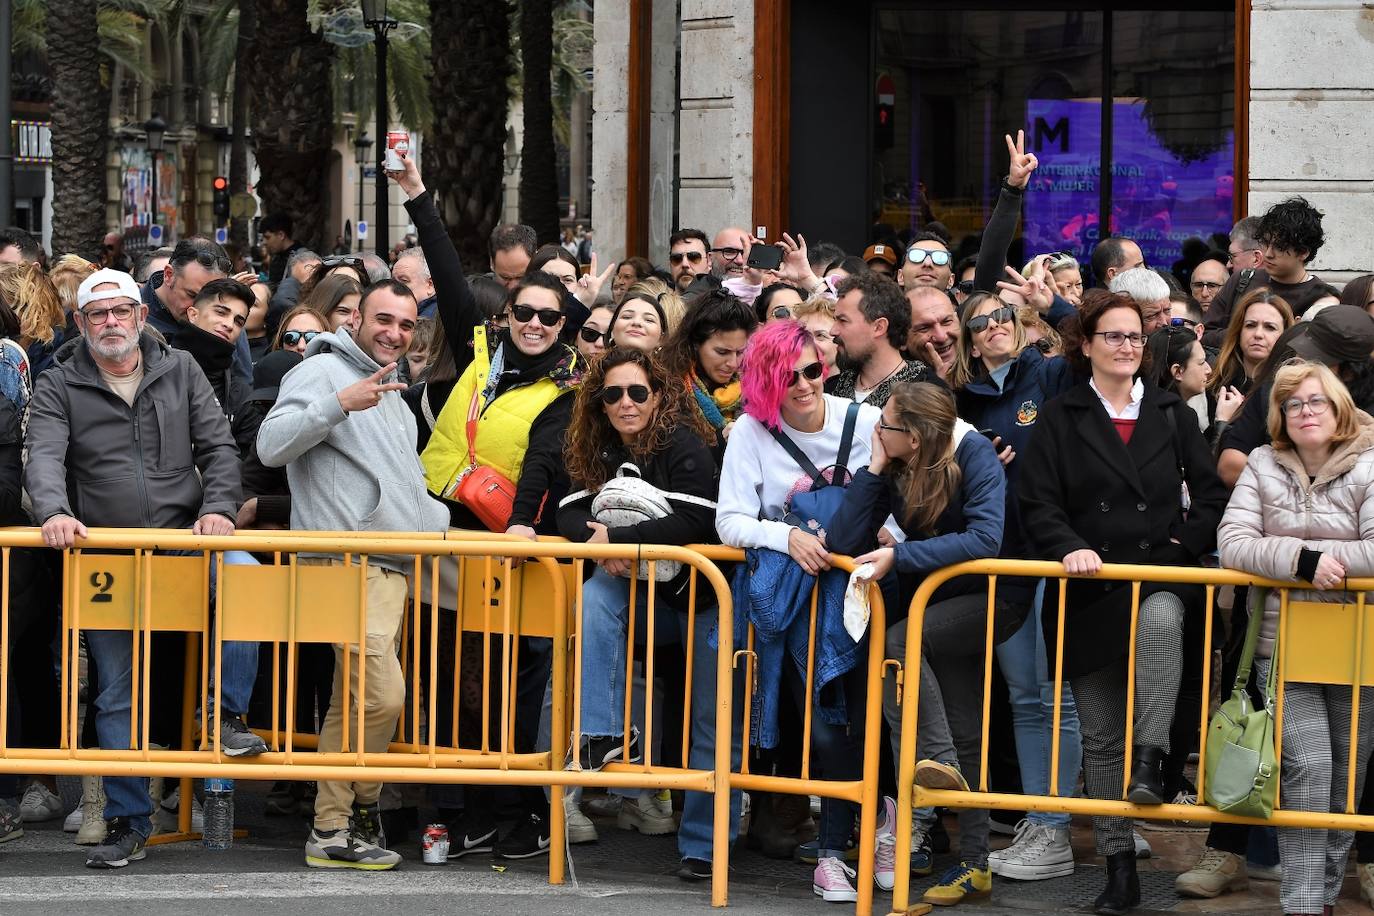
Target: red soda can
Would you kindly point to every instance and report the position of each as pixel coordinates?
(397, 141)
(434, 845)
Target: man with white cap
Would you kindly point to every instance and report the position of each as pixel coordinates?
(125, 432)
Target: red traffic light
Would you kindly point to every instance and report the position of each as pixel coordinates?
(221, 183)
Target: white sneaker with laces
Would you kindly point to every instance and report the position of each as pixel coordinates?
(580, 827)
(832, 881)
(1142, 846)
(39, 804)
(1039, 852)
(885, 848)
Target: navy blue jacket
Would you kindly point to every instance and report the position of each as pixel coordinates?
(970, 528)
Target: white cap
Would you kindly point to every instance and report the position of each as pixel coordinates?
(125, 287)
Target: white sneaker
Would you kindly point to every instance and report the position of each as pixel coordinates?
(39, 804)
(1039, 852)
(73, 821)
(92, 830)
(651, 814)
(580, 827)
(1142, 846)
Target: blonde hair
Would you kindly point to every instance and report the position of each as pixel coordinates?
(32, 296)
(968, 367)
(816, 305)
(1288, 379)
(66, 276)
(1030, 318)
(668, 299)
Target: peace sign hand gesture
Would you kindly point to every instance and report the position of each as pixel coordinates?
(366, 394)
(589, 286)
(1022, 162)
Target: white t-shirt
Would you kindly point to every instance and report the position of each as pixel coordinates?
(757, 475)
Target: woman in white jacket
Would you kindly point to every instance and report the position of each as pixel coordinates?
(1304, 509)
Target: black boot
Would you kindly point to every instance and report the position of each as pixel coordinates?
(1147, 787)
(1123, 885)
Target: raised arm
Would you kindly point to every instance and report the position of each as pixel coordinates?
(1001, 228)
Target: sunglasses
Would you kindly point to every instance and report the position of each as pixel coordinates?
(812, 371)
(212, 261)
(1182, 323)
(291, 338)
(999, 316)
(1044, 345)
(612, 394)
(693, 256)
(591, 335)
(525, 314)
(340, 260)
(781, 311)
(920, 255)
(965, 287)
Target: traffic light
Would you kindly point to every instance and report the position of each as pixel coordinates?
(221, 199)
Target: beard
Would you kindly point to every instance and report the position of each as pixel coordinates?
(846, 362)
(114, 343)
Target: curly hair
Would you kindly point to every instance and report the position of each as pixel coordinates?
(1229, 364)
(1082, 325)
(66, 276)
(34, 299)
(766, 370)
(590, 432)
(1293, 225)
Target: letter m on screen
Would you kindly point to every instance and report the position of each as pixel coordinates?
(1044, 133)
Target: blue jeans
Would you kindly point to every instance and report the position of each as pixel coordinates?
(605, 626)
(1024, 662)
(125, 796)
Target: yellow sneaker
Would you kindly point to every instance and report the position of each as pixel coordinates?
(962, 882)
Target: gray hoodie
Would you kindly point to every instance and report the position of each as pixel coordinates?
(348, 472)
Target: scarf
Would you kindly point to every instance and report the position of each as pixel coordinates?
(719, 406)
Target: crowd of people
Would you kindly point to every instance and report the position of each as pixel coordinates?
(902, 407)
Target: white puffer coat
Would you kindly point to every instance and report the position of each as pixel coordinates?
(1275, 511)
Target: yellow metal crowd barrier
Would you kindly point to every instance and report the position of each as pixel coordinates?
(1309, 638)
(153, 581)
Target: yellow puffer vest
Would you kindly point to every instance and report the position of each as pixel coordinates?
(503, 428)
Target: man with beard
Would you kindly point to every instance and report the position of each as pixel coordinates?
(871, 324)
(125, 432)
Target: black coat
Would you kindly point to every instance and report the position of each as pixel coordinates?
(1082, 487)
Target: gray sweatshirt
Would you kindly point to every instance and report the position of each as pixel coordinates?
(348, 472)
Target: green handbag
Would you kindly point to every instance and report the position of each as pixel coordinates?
(1242, 769)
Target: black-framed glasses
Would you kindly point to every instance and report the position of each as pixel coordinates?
(612, 394)
(292, 338)
(965, 287)
(591, 335)
(1003, 315)
(693, 256)
(1044, 345)
(1116, 339)
(98, 316)
(1316, 405)
(211, 261)
(891, 429)
(729, 252)
(525, 314)
(812, 371)
(936, 256)
(1205, 285)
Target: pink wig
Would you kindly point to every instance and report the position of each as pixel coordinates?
(766, 370)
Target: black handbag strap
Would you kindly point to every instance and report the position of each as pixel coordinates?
(851, 418)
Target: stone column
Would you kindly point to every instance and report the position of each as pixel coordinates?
(1310, 112)
(610, 125)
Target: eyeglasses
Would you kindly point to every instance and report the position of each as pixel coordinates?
(1204, 285)
(208, 260)
(343, 260)
(998, 316)
(292, 338)
(1044, 345)
(919, 255)
(1115, 339)
(525, 314)
(591, 335)
(728, 253)
(694, 256)
(1316, 405)
(612, 394)
(781, 311)
(1232, 255)
(1182, 323)
(100, 316)
(812, 371)
(891, 429)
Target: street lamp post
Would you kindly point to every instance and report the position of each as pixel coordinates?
(154, 128)
(362, 148)
(375, 17)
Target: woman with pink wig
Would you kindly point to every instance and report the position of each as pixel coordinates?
(781, 379)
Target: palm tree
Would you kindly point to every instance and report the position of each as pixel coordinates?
(464, 159)
(80, 127)
(538, 165)
(292, 115)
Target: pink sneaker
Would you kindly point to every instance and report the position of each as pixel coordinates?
(885, 847)
(831, 881)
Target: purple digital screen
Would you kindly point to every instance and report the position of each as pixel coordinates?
(1159, 198)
